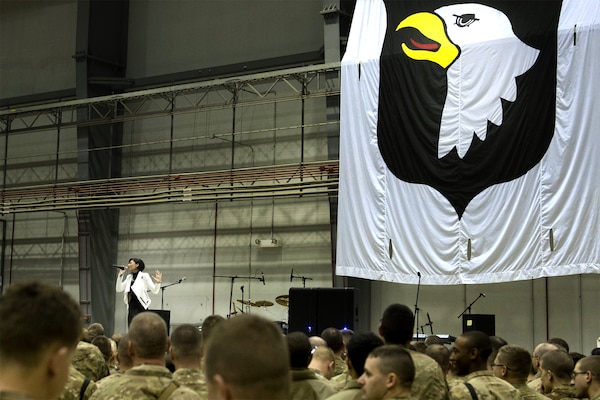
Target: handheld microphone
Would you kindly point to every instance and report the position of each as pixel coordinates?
(482, 294)
(121, 267)
(292, 275)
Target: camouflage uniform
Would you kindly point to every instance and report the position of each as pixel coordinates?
(528, 393)
(306, 386)
(596, 397)
(74, 384)
(14, 396)
(487, 386)
(144, 381)
(193, 379)
(88, 360)
(562, 392)
(351, 391)
(340, 366)
(339, 381)
(104, 381)
(429, 382)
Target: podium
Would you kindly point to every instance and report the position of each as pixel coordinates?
(480, 322)
(166, 316)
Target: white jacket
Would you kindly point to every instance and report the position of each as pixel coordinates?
(143, 283)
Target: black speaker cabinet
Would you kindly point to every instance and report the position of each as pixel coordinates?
(166, 316)
(480, 322)
(311, 310)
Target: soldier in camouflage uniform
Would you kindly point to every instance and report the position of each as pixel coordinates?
(186, 353)
(40, 327)
(88, 360)
(149, 377)
(335, 341)
(534, 380)
(586, 378)
(389, 372)
(247, 357)
(75, 384)
(124, 360)
(397, 327)
(469, 359)
(513, 363)
(556, 367)
(357, 351)
(305, 383)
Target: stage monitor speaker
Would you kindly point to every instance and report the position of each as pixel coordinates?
(480, 322)
(166, 316)
(311, 310)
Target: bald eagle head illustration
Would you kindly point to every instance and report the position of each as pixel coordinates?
(467, 93)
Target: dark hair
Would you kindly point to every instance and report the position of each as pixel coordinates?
(208, 324)
(139, 262)
(359, 347)
(394, 358)
(560, 342)
(299, 348)
(559, 362)
(34, 315)
(334, 338)
(397, 324)
(103, 343)
(186, 341)
(516, 358)
(480, 341)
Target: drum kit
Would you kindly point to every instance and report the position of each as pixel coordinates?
(283, 300)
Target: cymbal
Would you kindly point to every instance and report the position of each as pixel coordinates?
(283, 300)
(263, 303)
(246, 302)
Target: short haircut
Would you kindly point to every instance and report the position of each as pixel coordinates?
(334, 338)
(592, 364)
(559, 362)
(34, 315)
(186, 342)
(480, 341)
(560, 342)
(323, 353)
(439, 353)
(139, 262)
(208, 324)
(299, 348)
(123, 351)
(359, 347)
(251, 355)
(103, 343)
(92, 331)
(397, 324)
(516, 358)
(148, 334)
(395, 359)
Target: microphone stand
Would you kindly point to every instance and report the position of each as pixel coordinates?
(417, 306)
(304, 278)
(233, 278)
(469, 306)
(162, 293)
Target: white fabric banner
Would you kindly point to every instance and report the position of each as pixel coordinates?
(462, 186)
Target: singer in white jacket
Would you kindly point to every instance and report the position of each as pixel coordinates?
(136, 286)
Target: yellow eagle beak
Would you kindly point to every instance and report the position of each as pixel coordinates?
(440, 50)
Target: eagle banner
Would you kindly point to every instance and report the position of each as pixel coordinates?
(470, 141)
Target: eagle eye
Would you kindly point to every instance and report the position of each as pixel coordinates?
(465, 19)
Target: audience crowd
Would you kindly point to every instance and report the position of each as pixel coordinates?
(47, 354)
